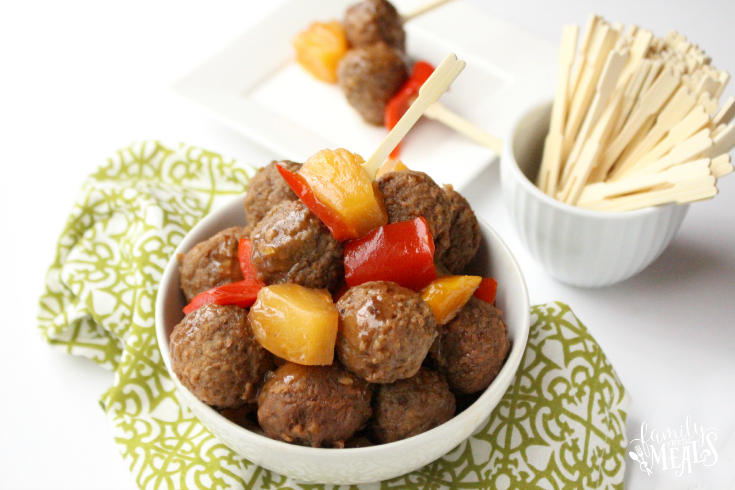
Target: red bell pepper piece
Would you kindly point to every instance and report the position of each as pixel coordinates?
(340, 230)
(402, 100)
(486, 290)
(244, 253)
(399, 252)
(240, 293)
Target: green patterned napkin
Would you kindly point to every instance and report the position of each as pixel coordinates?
(560, 425)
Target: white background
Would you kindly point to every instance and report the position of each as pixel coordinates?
(79, 80)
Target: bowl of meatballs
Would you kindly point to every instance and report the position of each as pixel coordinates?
(331, 369)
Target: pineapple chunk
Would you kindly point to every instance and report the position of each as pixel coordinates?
(320, 48)
(296, 323)
(390, 165)
(447, 295)
(338, 180)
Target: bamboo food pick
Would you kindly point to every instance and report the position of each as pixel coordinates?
(438, 112)
(550, 165)
(643, 122)
(430, 92)
(422, 9)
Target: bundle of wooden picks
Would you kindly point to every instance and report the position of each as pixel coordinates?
(636, 121)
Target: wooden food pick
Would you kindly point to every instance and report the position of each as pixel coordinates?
(422, 9)
(680, 105)
(548, 176)
(430, 92)
(689, 190)
(652, 101)
(588, 159)
(726, 113)
(440, 113)
(721, 166)
(723, 142)
(683, 152)
(584, 46)
(605, 190)
(613, 67)
(695, 121)
(601, 45)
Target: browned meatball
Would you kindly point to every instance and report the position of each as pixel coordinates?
(374, 21)
(369, 77)
(385, 331)
(291, 245)
(471, 349)
(409, 194)
(411, 406)
(313, 405)
(212, 263)
(464, 234)
(266, 189)
(215, 355)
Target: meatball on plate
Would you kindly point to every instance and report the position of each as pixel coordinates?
(342, 428)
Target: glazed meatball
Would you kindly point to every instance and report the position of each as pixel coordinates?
(369, 77)
(291, 245)
(212, 263)
(411, 406)
(471, 349)
(385, 331)
(464, 233)
(409, 194)
(318, 406)
(266, 189)
(374, 21)
(215, 355)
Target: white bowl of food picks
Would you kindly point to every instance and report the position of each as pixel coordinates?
(598, 182)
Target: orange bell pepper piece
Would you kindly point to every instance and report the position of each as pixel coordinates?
(447, 295)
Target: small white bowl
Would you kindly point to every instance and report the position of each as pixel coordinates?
(577, 246)
(361, 465)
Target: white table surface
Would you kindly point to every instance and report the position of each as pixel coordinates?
(79, 80)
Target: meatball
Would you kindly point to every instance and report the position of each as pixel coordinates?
(471, 349)
(369, 77)
(411, 406)
(266, 189)
(313, 405)
(374, 21)
(464, 233)
(214, 354)
(291, 245)
(385, 331)
(409, 194)
(212, 263)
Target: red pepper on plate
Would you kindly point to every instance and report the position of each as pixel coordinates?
(240, 293)
(486, 290)
(246, 265)
(339, 229)
(402, 100)
(400, 252)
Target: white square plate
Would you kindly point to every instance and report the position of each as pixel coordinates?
(255, 86)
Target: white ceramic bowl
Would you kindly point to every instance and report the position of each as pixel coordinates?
(577, 246)
(361, 465)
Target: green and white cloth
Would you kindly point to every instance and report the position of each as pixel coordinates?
(560, 425)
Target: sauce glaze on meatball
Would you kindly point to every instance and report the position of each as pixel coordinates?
(267, 189)
(213, 262)
(385, 331)
(292, 245)
(318, 406)
(215, 355)
(471, 349)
